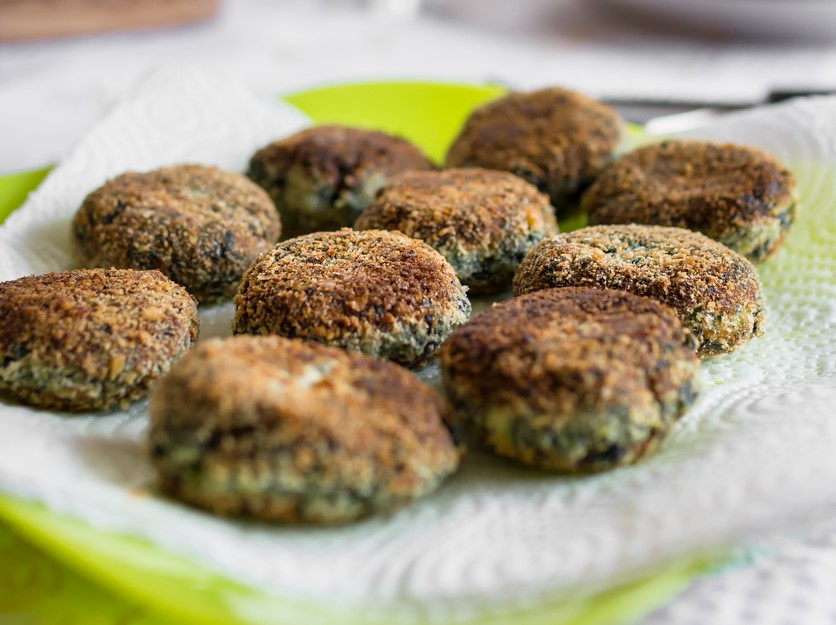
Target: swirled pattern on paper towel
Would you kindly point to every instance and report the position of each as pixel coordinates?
(754, 454)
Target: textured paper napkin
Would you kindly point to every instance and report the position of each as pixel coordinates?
(755, 454)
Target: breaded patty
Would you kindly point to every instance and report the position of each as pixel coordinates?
(323, 177)
(740, 196)
(573, 379)
(715, 291)
(200, 226)
(91, 339)
(284, 430)
(556, 139)
(381, 293)
(482, 221)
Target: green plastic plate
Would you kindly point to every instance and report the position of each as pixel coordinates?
(141, 574)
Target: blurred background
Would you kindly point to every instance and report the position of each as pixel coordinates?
(62, 62)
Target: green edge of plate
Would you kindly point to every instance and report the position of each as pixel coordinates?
(427, 113)
(430, 115)
(15, 188)
(179, 589)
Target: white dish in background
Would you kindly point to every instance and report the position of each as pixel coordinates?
(774, 19)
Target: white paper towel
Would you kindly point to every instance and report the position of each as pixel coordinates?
(755, 453)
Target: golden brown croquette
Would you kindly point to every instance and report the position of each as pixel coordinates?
(571, 379)
(91, 339)
(200, 226)
(381, 293)
(282, 430)
(323, 177)
(740, 196)
(482, 221)
(715, 291)
(556, 139)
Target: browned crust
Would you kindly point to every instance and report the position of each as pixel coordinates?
(200, 226)
(482, 221)
(715, 291)
(90, 339)
(738, 195)
(555, 138)
(378, 292)
(575, 379)
(323, 177)
(284, 430)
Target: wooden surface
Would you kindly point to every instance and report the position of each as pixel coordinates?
(35, 19)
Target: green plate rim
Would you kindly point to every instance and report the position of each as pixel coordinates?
(157, 572)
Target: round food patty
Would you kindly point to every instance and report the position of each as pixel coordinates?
(574, 379)
(556, 139)
(715, 291)
(323, 177)
(283, 430)
(740, 196)
(91, 339)
(200, 226)
(482, 221)
(381, 293)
